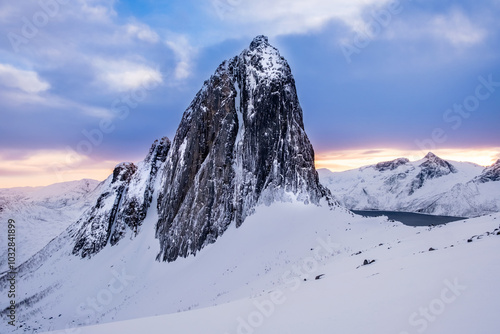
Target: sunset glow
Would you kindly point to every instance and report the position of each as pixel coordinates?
(342, 160)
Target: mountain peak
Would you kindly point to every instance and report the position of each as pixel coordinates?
(431, 156)
(258, 41)
(262, 62)
(241, 143)
(432, 168)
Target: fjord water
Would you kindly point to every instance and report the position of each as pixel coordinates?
(410, 218)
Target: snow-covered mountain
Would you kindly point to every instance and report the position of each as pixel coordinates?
(42, 213)
(430, 185)
(247, 238)
(240, 143)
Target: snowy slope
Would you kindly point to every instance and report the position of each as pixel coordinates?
(430, 185)
(233, 286)
(42, 213)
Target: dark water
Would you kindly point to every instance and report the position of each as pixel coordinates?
(410, 218)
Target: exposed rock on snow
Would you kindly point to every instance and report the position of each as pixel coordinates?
(432, 168)
(431, 185)
(391, 165)
(123, 203)
(240, 143)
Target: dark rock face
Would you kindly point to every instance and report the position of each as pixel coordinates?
(240, 143)
(490, 174)
(391, 165)
(123, 204)
(433, 167)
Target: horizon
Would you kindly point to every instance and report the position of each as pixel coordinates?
(90, 85)
(340, 162)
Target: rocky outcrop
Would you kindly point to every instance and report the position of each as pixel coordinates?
(391, 165)
(122, 205)
(240, 143)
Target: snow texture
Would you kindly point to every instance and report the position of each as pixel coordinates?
(431, 185)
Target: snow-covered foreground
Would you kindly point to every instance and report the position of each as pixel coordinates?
(260, 278)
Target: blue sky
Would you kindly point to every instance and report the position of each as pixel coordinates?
(89, 83)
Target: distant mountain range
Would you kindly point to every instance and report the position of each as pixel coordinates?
(430, 185)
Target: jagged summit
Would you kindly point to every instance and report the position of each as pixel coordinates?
(122, 205)
(433, 167)
(261, 62)
(436, 167)
(240, 143)
(431, 156)
(259, 41)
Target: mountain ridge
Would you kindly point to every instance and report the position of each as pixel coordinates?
(431, 185)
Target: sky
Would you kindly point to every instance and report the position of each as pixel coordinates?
(87, 84)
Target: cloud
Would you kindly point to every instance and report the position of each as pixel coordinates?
(457, 29)
(27, 81)
(19, 100)
(282, 17)
(95, 10)
(142, 32)
(453, 28)
(124, 75)
(44, 167)
(184, 54)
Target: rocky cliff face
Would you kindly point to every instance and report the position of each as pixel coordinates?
(240, 143)
(122, 205)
